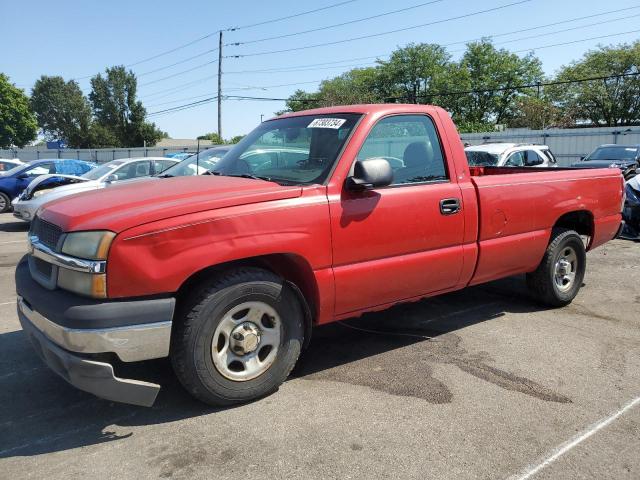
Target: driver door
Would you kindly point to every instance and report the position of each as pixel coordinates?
(401, 241)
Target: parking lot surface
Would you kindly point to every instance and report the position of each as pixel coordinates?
(482, 383)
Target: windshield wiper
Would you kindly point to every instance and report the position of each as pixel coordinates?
(166, 175)
(243, 175)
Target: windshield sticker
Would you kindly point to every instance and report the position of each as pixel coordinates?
(334, 123)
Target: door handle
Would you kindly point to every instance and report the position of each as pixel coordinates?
(449, 206)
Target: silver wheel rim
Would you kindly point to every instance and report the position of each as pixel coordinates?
(565, 269)
(246, 341)
(3, 203)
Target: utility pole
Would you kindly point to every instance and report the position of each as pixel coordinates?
(220, 85)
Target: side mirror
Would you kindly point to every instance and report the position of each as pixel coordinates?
(370, 173)
(111, 178)
(582, 158)
(22, 176)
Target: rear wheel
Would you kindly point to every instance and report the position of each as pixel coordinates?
(559, 276)
(5, 203)
(239, 338)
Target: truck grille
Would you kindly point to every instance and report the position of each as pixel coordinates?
(47, 233)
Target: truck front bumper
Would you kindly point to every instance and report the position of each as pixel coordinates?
(70, 333)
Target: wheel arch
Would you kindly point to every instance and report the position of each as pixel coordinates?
(579, 220)
(294, 269)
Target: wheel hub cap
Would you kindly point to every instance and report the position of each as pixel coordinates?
(246, 341)
(565, 269)
(245, 338)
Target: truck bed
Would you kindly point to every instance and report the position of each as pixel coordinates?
(515, 219)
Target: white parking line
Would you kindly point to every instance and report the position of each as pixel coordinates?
(7, 303)
(14, 241)
(531, 470)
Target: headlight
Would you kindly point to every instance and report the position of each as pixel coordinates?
(88, 245)
(88, 284)
(38, 193)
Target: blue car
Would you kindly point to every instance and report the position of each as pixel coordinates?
(14, 181)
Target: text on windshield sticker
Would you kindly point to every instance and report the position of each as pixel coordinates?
(327, 123)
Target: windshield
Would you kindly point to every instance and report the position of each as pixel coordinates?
(613, 153)
(293, 150)
(102, 170)
(197, 164)
(482, 159)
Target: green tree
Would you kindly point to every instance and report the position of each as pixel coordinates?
(300, 100)
(213, 137)
(414, 72)
(115, 108)
(608, 102)
(484, 80)
(62, 111)
(236, 139)
(18, 125)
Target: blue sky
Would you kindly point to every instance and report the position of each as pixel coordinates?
(75, 38)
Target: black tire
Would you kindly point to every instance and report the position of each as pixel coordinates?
(542, 282)
(5, 203)
(196, 323)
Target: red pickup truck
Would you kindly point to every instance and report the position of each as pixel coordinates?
(313, 217)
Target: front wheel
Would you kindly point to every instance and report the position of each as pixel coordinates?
(5, 203)
(239, 338)
(559, 276)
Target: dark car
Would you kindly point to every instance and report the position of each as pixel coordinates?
(14, 181)
(624, 157)
(631, 211)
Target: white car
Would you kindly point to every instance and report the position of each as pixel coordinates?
(510, 155)
(8, 164)
(33, 197)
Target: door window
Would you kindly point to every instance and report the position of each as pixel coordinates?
(162, 165)
(410, 144)
(516, 160)
(41, 169)
(133, 170)
(533, 158)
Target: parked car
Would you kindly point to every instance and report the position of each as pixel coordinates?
(179, 155)
(226, 274)
(510, 155)
(624, 157)
(14, 181)
(631, 212)
(8, 164)
(199, 164)
(44, 189)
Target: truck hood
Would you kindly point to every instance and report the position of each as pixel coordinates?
(130, 204)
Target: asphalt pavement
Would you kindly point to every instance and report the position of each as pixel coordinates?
(478, 384)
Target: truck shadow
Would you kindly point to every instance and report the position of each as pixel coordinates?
(393, 351)
(17, 226)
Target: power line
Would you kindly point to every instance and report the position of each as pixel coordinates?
(577, 19)
(435, 94)
(182, 72)
(336, 42)
(176, 63)
(575, 41)
(561, 31)
(184, 107)
(180, 87)
(295, 68)
(327, 27)
(291, 16)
